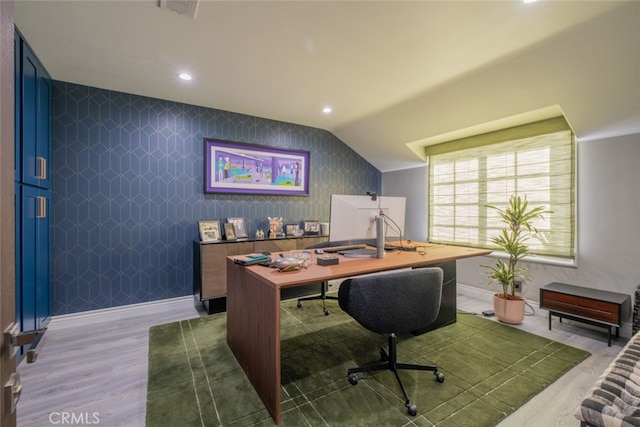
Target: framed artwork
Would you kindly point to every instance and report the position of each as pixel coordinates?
(234, 167)
(312, 227)
(238, 227)
(209, 230)
(292, 230)
(229, 231)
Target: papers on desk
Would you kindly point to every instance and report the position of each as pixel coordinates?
(251, 259)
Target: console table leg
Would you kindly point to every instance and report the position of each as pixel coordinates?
(549, 320)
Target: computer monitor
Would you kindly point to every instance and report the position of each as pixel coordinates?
(354, 217)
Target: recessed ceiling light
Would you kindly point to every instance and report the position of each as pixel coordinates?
(185, 76)
(326, 110)
(529, 1)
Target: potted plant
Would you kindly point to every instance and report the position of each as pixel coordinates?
(518, 218)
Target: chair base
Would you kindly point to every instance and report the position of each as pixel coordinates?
(323, 296)
(391, 364)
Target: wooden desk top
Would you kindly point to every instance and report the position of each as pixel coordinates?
(425, 255)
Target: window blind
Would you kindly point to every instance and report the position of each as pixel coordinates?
(536, 161)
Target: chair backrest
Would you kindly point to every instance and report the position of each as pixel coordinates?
(397, 302)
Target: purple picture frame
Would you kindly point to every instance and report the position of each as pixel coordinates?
(241, 168)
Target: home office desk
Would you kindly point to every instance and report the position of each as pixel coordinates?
(253, 307)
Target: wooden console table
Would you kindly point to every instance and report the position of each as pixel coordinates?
(253, 307)
(592, 306)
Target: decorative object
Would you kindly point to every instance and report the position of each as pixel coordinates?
(229, 231)
(518, 218)
(259, 234)
(234, 167)
(239, 227)
(293, 230)
(312, 227)
(209, 230)
(275, 227)
(289, 263)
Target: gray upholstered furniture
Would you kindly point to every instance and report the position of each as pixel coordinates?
(614, 400)
(398, 302)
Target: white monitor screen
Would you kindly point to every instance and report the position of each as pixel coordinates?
(353, 217)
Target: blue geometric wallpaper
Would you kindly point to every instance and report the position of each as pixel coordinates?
(128, 191)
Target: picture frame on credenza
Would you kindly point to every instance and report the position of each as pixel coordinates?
(209, 231)
(229, 231)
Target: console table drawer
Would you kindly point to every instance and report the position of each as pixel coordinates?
(580, 306)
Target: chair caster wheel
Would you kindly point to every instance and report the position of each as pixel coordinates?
(383, 355)
(299, 305)
(353, 379)
(326, 312)
(439, 377)
(412, 409)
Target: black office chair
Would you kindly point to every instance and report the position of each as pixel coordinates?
(397, 302)
(324, 285)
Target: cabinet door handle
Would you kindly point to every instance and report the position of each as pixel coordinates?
(42, 207)
(42, 168)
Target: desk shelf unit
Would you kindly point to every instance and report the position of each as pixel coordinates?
(210, 268)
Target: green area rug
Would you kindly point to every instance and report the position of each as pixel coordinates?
(491, 369)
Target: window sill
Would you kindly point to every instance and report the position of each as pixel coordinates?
(538, 259)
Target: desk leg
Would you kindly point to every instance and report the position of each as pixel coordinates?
(549, 320)
(253, 333)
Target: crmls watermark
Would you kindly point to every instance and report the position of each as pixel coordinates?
(67, 418)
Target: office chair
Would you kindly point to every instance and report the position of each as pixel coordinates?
(397, 302)
(324, 285)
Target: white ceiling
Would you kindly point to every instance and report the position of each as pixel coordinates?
(398, 75)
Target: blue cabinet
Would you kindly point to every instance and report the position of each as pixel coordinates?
(35, 257)
(35, 115)
(33, 118)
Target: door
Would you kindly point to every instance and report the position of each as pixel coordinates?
(7, 219)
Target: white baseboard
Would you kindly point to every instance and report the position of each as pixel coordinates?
(483, 294)
(122, 312)
(487, 295)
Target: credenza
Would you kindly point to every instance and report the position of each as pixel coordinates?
(210, 268)
(592, 306)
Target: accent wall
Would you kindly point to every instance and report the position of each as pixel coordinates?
(128, 191)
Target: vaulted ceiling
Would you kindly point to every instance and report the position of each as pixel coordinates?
(398, 75)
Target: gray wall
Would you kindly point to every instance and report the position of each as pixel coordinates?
(608, 235)
(412, 184)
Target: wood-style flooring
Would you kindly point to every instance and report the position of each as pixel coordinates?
(94, 367)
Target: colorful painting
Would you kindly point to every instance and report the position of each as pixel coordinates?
(234, 167)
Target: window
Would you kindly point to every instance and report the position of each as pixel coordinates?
(535, 160)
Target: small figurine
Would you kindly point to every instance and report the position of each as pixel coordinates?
(259, 234)
(275, 227)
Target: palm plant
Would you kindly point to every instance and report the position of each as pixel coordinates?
(513, 241)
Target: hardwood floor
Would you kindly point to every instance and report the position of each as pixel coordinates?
(94, 367)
